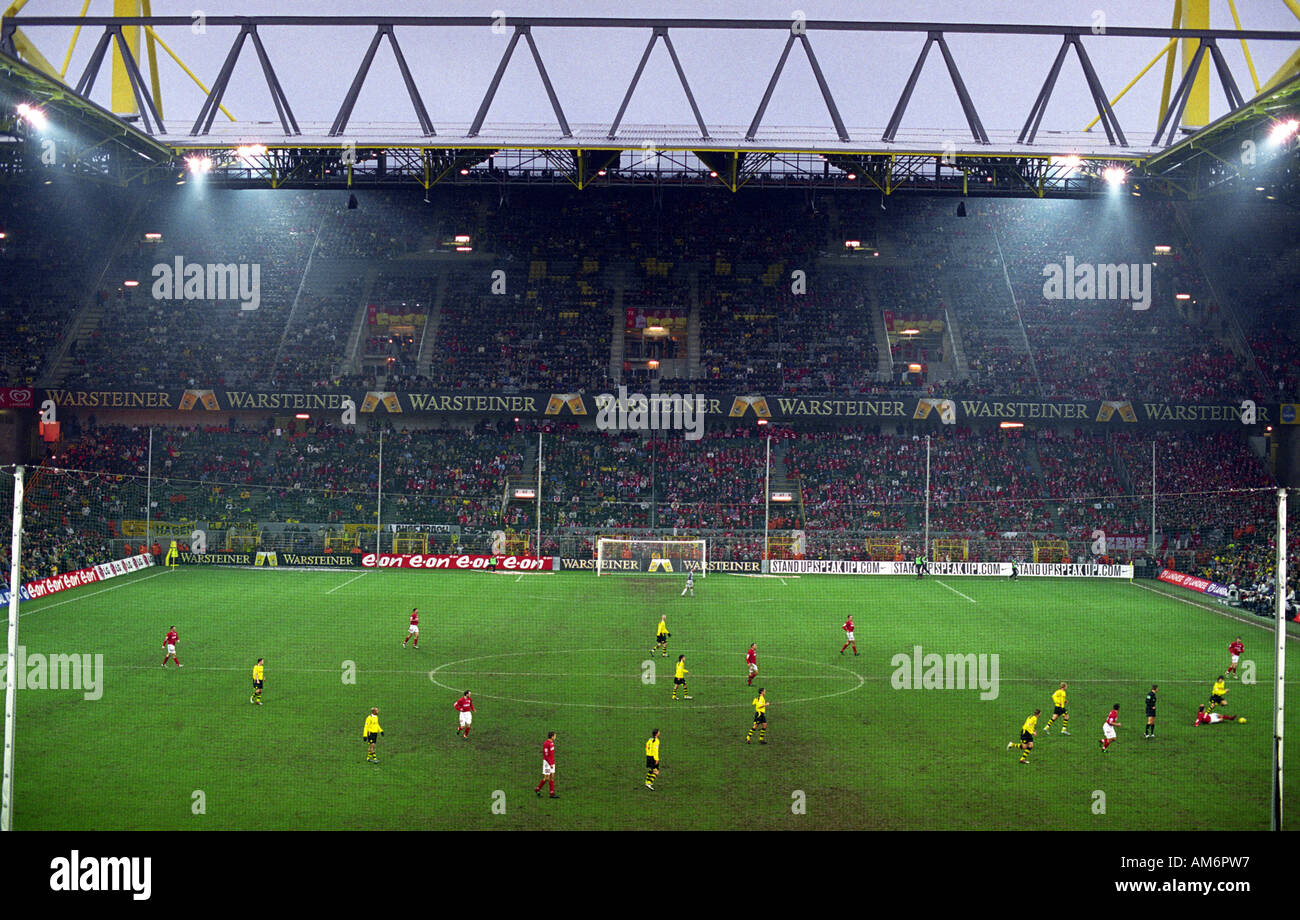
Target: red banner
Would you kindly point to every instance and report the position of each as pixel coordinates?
(463, 562)
(17, 398)
(1194, 583)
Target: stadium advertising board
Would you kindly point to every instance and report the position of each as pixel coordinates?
(52, 584)
(1003, 569)
(215, 558)
(841, 409)
(457, 562)
(1194, 583)
(741, 566)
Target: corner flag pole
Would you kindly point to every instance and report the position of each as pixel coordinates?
(767, 497)
(148, 495)
(1153, 498)
(538, 551)
(1279, 659)
(379, 497)
(11, 664)
(926, 552)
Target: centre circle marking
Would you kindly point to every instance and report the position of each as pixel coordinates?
(433, 676)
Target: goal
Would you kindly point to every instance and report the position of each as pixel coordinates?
(666, 557)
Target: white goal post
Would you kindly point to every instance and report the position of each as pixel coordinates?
(666, 557)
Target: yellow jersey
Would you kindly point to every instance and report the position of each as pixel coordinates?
(681, 670)
(1219, 689)
(257, 672)
(652, 748)
(372, 726)
(1058, 699)
(760, 705)
(1031, 725)
(663, 628)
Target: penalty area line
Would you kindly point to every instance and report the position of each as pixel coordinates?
(955, 591)
(1271, 627)
(73, 600)
(346, 583)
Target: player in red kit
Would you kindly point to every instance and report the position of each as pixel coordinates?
(751, 659)
(414, 630)
(169, 645)
(548, 765)
(848, 634)
(1212, 718)
(464, 706)
(1108, 729)
(1235, 650)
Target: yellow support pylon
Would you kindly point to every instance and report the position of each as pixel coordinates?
(1195, 14)
(123, 100)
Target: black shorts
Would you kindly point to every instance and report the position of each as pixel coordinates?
(257, 685)
(651, 763)
(659, 639)
(1058, 710)
(760, 718)
(372, 737)
(1215, 698)
(1151, 713)
(1026, 737)
(679, 680)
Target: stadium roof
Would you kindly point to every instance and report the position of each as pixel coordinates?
(347, 151)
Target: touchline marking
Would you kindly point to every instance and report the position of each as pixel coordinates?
(73, 600)
(1223, 613)
(862, 679)
(955, 591)
(346, 583)
(632, 675)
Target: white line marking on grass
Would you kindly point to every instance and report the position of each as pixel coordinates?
(862, 679)
(955, 591)
(632, 675)
(1270, 626)
(346, 583)
(520, 578)
(73, 600)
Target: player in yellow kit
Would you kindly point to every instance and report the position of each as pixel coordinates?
(760, 718)
(1218, 693)
(370, 733)
(661, 636)
(1058, 709)
(257, 682)
(652, 759)
(679, 677)
(1027, 732)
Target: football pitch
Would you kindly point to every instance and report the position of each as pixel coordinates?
(568, 652)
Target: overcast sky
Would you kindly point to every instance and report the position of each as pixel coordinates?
(728, 70)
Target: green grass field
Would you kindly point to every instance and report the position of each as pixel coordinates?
(567, 652)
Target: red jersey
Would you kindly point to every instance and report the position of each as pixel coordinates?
(1113, 717)
(548, 751)
(1202, 718)
(1236, 648)
(464, 704)
(171, 638)
(751, 656)
(415, 618)
(848, 627)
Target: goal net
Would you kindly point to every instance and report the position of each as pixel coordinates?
(667, 557)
